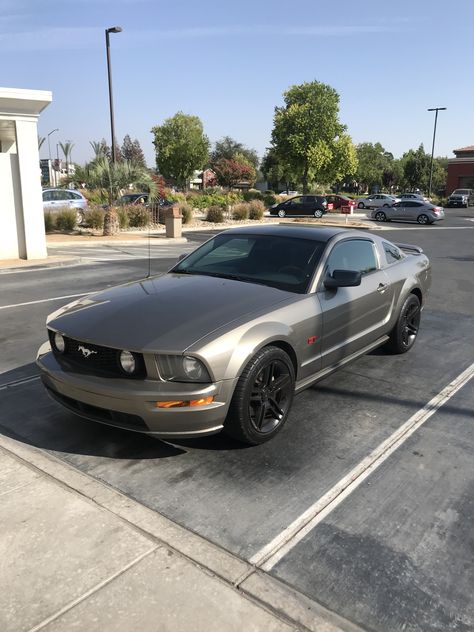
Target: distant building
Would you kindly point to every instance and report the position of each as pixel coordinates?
(461, 170)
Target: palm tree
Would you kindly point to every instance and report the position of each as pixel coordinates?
(67, 150)
(111, 178)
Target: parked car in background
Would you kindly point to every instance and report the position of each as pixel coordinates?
(409, 210)
(225, 339)
(340, 200)
(133, 198)
(461, 197)
(377, 201)
(315, 205)
(413, 196)
(55, 200)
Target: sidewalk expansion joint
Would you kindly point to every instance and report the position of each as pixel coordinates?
(92, 590)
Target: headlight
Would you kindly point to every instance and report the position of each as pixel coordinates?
(182, 369)
(59, 342)
(127, 362)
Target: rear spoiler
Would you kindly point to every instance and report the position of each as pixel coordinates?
(410, 249)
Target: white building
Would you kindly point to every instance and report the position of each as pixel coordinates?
(22, 233)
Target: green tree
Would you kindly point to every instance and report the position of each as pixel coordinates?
(277, 170)
(308, 135)
(373, 163)
(416, 168)
(228, 148)
(181, 147)
(132, 151)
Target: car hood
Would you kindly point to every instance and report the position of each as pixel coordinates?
(166, 314)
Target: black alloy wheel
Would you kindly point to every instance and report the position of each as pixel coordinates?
(423, 219)
(403, 335)
(262, 398)
(380, 216)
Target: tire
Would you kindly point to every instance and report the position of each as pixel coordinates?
(318, 213)
(380, 216)
(361, 205)
(79, 217)
(423, 219)
(281, 213)
(262, 398)
(386, 205)
(403, 335)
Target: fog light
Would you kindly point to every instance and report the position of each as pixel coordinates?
(127, 361)
(59, 342)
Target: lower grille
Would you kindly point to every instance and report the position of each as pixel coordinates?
(124, 420)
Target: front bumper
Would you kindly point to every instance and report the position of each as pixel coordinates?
(131, 404)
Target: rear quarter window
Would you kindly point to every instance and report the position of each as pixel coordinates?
(392, 253)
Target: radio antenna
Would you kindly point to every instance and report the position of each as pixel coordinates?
(149, 250)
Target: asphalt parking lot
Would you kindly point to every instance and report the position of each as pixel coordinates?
(396, 551)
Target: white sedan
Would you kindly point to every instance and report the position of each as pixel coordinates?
(377, 200)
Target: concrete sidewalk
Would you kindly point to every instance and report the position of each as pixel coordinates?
(77, 554)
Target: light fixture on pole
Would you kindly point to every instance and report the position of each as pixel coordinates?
(436, 110)
(49, 151)
(113, 29)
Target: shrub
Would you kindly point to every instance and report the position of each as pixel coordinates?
(49, 222)
(123, 217)
(271, 191)
(94, 218)
(215, 214)
(241, 211)
(187, 212)
(252, 194)
(269, 199)
(66, 219)
(138, 216)
(256, 210)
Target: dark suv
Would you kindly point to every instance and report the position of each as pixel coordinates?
(461, 197)
(314, 205)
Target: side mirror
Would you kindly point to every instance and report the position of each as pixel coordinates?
(342, 278)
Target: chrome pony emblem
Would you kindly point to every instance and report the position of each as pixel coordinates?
(86, 352)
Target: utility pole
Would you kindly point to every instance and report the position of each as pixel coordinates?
(436, 110)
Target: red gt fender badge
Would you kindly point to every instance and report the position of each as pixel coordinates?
(312, 340)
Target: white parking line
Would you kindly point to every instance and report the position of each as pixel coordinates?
(285, 541)
(45, 300)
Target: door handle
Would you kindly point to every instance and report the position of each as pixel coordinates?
(382, 287)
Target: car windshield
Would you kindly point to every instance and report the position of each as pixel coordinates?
(286, 263)
(461, 192)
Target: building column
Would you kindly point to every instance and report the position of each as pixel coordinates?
(30, 219)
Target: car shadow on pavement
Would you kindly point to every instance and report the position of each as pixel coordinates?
(30, 416)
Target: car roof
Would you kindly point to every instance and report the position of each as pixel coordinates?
(292, 230)
(61, 189)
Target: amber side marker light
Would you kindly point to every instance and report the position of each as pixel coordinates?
(178, 403)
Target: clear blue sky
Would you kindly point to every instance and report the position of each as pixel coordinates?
(230, 62)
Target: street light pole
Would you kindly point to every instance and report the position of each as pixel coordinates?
(49, 151)
(113, 29)
(436, 110)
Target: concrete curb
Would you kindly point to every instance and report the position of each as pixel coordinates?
(59, 263)
(264, 590)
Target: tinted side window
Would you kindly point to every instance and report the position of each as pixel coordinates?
(59, 196)
(392, 253)
(354, 254)
(47, 197)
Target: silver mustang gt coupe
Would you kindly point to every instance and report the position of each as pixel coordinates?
(226, 338)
